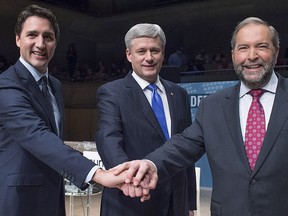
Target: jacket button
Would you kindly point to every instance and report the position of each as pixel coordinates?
(253, 181)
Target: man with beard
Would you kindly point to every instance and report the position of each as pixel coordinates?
(246, 148)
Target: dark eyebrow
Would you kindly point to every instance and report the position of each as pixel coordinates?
(32, 32)
(45, 33)
(49, 33)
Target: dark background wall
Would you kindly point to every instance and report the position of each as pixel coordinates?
(194, 25)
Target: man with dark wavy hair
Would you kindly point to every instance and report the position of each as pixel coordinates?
(33, 157)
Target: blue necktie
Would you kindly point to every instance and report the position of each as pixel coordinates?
(158, 109)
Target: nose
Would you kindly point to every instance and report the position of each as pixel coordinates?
(40, 42)
(253, 54)
(149, 56)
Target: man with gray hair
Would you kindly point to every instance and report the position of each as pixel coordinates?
(242, 129)
(129, 128)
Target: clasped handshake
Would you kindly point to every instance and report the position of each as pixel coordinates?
(134, 178)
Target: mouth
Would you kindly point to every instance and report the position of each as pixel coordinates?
(149, 66)
(40, 54)
(253, 67)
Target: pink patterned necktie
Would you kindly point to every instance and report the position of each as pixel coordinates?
(255, 127)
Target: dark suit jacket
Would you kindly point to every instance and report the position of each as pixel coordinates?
(128, 130)
(237, 191)
(33, 160)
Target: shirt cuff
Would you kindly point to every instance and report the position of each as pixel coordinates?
(90, 174)
(152, 164)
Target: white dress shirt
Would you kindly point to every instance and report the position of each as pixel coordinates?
(267, 100)
(161, 91)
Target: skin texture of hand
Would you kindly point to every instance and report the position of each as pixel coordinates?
(139, 172)
(133, 191)
(108, 179)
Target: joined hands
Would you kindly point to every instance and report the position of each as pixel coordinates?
(134, 178)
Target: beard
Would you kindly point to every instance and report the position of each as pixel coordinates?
(257, 79)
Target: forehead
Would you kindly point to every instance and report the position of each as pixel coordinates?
(35, 23)
(146, 42)
(254, 32)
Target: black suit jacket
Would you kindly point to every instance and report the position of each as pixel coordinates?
(237, 191)
(128, 130)
(33, 159)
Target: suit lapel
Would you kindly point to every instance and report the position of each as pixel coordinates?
(171, 103)
(141, 101)
(231, 112)
(34, 89)
(279, 116)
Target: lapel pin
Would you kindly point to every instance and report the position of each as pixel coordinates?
(172, 93)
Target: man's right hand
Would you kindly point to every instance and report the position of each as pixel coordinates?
(139, 172)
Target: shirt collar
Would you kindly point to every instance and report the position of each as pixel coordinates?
(36, 74)
(143, 83)
(270, 86)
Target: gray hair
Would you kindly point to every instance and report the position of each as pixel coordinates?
(255, 20)
(144, 30)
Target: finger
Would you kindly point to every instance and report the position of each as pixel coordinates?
(143, 168)
(139, 191)
(133, 168)
(125, 189)
(132, 192)
(153, 180)
(120, 168)
(146, 191)
(144, 198)
(145, 182)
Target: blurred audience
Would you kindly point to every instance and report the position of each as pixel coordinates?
(202, 57)
(218, 56)
(178, 59)
(71, 58)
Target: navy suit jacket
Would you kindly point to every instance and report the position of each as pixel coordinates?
(237, 190)
(128, 130)
(33, 159)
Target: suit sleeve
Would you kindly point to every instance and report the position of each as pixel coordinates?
(190, 171)
(109, 135)
(22, 125)
(181, 151)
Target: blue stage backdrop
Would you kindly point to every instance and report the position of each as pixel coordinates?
(196, 92)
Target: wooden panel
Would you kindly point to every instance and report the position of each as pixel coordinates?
(80, 124)
(80, 111)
